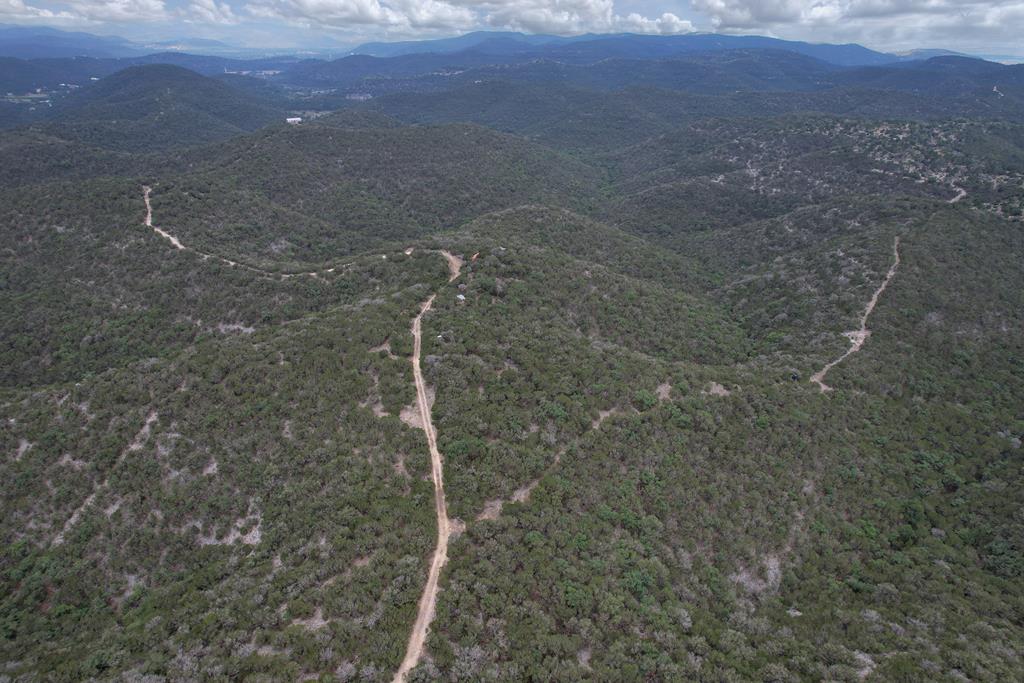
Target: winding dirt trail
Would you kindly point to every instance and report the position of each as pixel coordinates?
(176, 243)
(146, 190)
(428, 601)
(858, 337)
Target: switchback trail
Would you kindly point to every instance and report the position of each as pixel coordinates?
(858, 337)
(428, 601)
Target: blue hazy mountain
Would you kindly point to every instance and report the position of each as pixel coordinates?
(30, 42)
(492, 42)
(591, 47)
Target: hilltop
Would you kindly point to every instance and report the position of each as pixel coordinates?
(155, 106)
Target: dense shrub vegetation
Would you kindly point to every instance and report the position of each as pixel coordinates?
(211, 471)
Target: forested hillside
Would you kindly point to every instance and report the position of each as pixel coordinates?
(152, 107)
(650, 384)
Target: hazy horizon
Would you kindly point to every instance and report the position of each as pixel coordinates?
(984, 28)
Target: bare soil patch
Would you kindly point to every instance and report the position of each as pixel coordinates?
(716, 389)
(454, 264)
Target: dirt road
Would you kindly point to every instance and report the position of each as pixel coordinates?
(858, 337)
(428, 601)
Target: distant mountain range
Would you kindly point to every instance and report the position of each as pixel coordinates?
(589, 47)
(508, 43)
(39, 88)
(34, 42)
(721, 71)
(494, 42)
(39, 42)
(156, 105)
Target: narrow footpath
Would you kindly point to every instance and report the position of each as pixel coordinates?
(176, 243)
(858, 337)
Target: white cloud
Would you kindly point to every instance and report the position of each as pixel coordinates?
(354, 14)
(210, 12)
(326, 12)
(87, 12)
(986, 26)
(411, 16)
(887, 23)
(118, 11)
(434, 14)
(17, 10)
(666, 24)
(556, 16)
(573, 16)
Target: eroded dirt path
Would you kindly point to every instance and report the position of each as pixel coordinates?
(454, 264)
(175, 242)
(146, 190)
(858, 337)
(428, 601)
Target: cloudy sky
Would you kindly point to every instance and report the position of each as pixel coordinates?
(979, 26)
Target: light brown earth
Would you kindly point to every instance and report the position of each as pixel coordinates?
(664, 391)
(716, 389)
(603, 415)
(454, 264)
